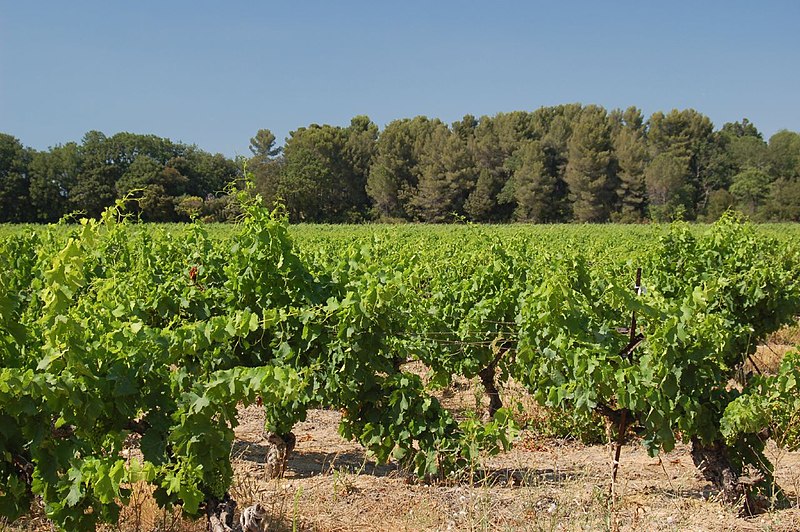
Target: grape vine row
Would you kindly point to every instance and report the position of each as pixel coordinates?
(115, 333)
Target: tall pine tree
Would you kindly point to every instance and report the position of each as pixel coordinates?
(590, 170)
(630, 147)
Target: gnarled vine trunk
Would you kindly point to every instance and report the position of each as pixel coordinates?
(713, 462)
(487, 379)
(220, 515)
(279, 447)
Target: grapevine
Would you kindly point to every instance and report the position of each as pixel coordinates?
(109, 328)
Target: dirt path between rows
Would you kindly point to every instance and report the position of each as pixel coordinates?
(540, 485)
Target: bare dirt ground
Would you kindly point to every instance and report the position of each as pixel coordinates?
(540, 485)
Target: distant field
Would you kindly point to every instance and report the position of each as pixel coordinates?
(574, 233)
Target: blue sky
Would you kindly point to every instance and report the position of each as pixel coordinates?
(213, 73)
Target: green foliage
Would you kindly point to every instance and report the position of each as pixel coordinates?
(324, 172)
(590, 170)
(768, 402)
(667, 187)
(588, 428)
(14, 180)
(115, 330)
(109, 328)
(116, 337)
(630, 147)
(784, 200)
(556, 164)
(750, 188)
(531, 187)
(709, 300)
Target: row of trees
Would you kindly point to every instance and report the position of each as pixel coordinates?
(556, 164)
(164, 181)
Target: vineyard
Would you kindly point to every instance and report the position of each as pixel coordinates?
(129, 353)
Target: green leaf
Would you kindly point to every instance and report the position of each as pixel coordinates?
(192, 497)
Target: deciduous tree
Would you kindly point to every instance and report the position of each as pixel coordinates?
(53, 174)
(668, 190)
(15, 203)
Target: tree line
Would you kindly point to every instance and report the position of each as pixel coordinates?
(557, 164)
(162, 180)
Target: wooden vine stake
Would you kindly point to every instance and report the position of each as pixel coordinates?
(635, 340)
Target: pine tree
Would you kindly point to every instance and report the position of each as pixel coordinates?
(590, 170)
(532, 187)
(447, 174)
(394, 171)
(630, 148)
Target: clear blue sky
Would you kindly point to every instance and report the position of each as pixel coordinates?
(213, 73)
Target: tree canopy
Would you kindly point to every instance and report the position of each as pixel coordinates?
(556, 164)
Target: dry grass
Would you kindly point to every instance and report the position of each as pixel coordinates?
(557, 487)
(143, 514)
(541, 485)
(789, 335)
(768, 357)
